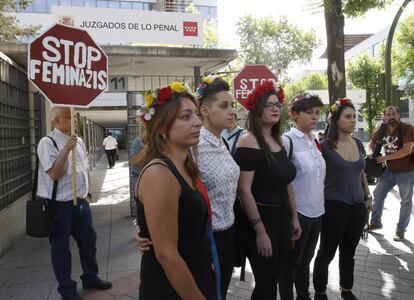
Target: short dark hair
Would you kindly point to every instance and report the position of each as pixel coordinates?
(301, 103)
(211, 90)
(109, 133)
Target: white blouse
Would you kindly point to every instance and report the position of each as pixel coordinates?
(308, 184)
(220, 175)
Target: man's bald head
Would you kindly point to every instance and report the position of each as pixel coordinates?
(60, 117)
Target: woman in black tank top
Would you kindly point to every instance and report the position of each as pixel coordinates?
(170, 209)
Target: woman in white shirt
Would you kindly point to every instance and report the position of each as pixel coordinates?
(219, 172)
(308, 186)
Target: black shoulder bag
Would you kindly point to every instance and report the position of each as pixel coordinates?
(372, 168)
(41, 213)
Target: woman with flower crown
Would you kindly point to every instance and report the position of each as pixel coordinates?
(265, 189)
(219, 172)
(346, 189)
(308, 186)
(171, 211)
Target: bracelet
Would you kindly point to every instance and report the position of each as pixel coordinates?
(256, 221)
(367, 197)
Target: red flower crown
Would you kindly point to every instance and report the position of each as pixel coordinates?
(263, 89)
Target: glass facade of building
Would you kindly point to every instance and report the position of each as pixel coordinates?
(44, 6)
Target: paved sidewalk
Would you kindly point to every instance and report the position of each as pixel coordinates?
(383, 268)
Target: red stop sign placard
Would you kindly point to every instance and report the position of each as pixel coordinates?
(247, 80)
(67, 66)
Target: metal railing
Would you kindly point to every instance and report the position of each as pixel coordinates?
(15, 150)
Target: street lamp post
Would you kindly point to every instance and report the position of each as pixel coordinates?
(388, 47)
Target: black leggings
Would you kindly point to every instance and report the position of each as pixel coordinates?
(342, 226)
(225, 243)
(266, 271)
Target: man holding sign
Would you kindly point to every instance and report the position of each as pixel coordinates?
(75, 220)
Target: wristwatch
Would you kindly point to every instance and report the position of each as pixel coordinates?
(89, 196)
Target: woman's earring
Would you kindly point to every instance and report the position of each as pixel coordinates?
(163, 137)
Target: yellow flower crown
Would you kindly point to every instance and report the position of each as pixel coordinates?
(338, 103)
(160, 97)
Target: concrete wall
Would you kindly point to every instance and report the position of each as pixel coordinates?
(12, 223)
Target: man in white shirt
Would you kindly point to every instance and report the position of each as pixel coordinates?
(110, 145)
(232, 134)
(76, 220)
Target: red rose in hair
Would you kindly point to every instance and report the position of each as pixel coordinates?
(164, 95)
(281, 95)
(343, 101)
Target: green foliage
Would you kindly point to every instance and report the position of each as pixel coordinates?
(351, 8)
(10, 29)
(363, 73)
(274, 43)
(210, 36)
(404, 54)
(312, 81)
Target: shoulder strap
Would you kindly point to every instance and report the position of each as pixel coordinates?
(236, 136)
(36, 176)
(226, 143)
(290, 147)
(142, 172)
(378, 142)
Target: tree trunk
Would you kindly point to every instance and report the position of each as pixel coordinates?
(334, 21)
(370, 112)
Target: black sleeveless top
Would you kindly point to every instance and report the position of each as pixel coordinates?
(193, 246)
(271, 177)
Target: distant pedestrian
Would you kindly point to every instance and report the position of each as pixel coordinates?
(347, 199)
(398, 145)
(135, 149)
(110, 145)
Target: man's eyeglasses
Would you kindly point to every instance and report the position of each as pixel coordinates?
(271, 105)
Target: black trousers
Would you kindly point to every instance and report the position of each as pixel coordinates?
(225, 243)
(297, 268)
(266, 271)
(110, 155)
(342, 226)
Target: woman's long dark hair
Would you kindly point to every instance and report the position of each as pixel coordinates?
(254, 125)
(333, 134)
(154, 142)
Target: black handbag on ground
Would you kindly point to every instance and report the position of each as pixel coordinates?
(372, 168)
(41, 215)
